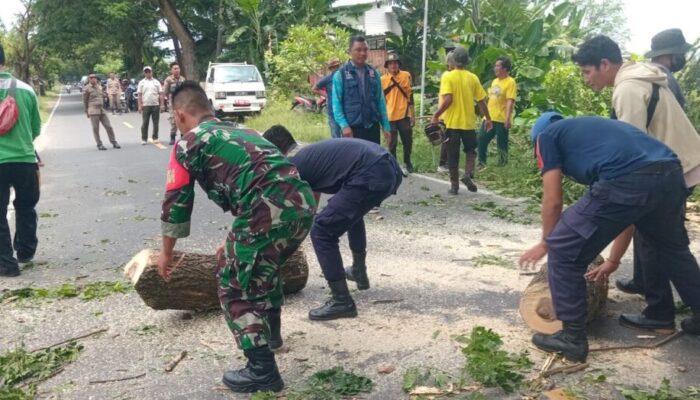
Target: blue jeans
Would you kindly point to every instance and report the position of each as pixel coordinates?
(652, 199)
(336, 132)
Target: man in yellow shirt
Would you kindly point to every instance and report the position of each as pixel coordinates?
(502, 96)
(460, 89)
(398, 94)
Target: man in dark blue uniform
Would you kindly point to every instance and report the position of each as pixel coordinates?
(360, 174)
(634, 180)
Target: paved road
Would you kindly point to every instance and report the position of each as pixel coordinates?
(98, 208)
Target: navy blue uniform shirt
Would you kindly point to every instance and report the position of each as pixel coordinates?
(328, 164)
(327, 83)
(588, 149)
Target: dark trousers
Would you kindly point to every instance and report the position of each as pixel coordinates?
(344, 213)
(403, 128)
(95, 120)
(371, 133)
(24, 179)
(467, 139)
(152, 112)
(500, 132)
(652, 199)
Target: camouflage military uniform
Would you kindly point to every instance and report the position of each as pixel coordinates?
(272, 207)
(169, 86)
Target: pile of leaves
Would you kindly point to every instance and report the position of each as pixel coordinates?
(664, 392)
(328, 384)
(90, 291)
(20, 368)
(489, 365)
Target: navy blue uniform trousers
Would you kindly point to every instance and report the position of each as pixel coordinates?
(651, 198)
(345, 211)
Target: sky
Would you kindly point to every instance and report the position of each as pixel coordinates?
(644, 19)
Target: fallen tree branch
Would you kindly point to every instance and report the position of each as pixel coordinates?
(126, 378)
(175, 361)
(569, 369)
(71, 340)
(35, 381)
(640, 346)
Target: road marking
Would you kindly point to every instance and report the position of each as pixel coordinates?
(42, 141)
(128, 125)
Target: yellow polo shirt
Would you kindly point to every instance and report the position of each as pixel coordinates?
(466, 90)
(500, 92)
(397, 103)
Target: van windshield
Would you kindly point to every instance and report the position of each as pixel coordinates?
(236, 73)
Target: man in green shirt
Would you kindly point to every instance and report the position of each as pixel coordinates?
(18, 170)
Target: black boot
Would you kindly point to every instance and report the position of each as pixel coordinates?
(260, 373)
(358, 271)
(642, 322)
(629, 286)
(340, 305)
(571, 342)
(454, 180)
(274, 319)
(692, 325)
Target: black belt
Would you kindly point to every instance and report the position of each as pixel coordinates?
(659, 167)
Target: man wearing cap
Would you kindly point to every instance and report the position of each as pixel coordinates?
(358, 101)
(93, 100)
(668, 50)
(398, 94)
(634, 180)
(641, 97)
(360, 175)
(150, 104)
(502, 96)
(324, 87)
(171, 83)
(460, 89)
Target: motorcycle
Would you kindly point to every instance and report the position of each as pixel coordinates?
(67, 88)
(122, 103)
(308, 103)
(132, 97)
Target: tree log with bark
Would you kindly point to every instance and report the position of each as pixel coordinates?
(193, 283)
(536, 305)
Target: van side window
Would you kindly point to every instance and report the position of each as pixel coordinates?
(211, 75)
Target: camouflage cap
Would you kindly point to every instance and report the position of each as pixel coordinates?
(391, 57)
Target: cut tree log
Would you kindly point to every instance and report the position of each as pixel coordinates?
(193, 284)
(536, 305)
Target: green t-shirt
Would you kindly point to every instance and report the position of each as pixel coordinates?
(17, 145)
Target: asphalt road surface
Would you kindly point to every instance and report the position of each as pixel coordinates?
(438, 268)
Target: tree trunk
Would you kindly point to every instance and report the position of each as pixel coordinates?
(189, 66)
(220, 30)
(193, 284)
(537, 309)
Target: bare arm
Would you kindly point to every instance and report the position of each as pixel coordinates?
(551, 211)
(444, 105)
(510, 103)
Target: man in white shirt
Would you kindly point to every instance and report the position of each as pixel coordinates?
(150, 104)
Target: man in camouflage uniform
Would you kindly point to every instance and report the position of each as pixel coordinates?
(172, 82)
(114, 89)
(93, 101)
(273, 211)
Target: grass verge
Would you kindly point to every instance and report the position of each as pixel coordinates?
(47, 102)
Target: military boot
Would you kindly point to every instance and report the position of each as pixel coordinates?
(358, 271)
(274, 318)
(692, 325)
(454, 180)
(340, 305)
(571, 342)
(260, 373)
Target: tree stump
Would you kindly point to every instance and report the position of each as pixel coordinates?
(537, 309)
(193, 284)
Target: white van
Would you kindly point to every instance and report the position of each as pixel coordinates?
(235, 89)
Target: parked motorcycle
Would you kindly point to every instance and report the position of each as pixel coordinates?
(308, 103)
(132, 97)
(122, 103)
